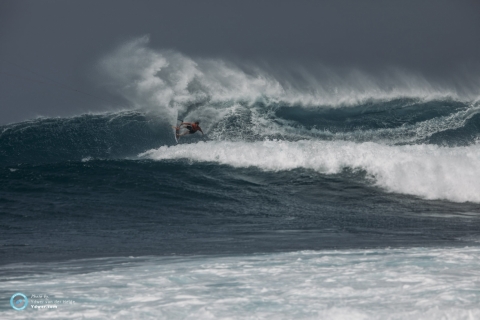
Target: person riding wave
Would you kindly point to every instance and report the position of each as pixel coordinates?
(192, 127)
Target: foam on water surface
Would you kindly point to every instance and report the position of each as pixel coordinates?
(415, 283)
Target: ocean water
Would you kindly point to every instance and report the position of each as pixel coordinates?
(344, 202)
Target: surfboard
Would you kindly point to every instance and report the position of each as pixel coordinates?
(176, 129)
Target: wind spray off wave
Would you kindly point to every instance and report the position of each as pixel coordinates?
(165, 80)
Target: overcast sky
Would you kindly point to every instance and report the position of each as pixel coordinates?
(62, 40)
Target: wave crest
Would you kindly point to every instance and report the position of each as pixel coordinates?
(427, 171)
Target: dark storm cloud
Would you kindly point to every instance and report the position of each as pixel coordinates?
(64, 39)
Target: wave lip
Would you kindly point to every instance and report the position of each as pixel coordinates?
(428, 171)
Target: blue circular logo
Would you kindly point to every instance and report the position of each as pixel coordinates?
(19, 301)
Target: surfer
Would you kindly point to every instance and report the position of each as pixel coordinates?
(192, 127)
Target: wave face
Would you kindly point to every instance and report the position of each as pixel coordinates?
(423, 144)
(55, 140)
(423, 148)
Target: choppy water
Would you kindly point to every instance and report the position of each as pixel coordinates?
(410, 283)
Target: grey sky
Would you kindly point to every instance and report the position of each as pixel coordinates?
(64, 39)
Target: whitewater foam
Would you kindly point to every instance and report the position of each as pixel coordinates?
(239, 123)
(416, 283)
(428, 171)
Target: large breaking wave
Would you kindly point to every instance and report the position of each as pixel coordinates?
(407, 134)
(426, 170)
